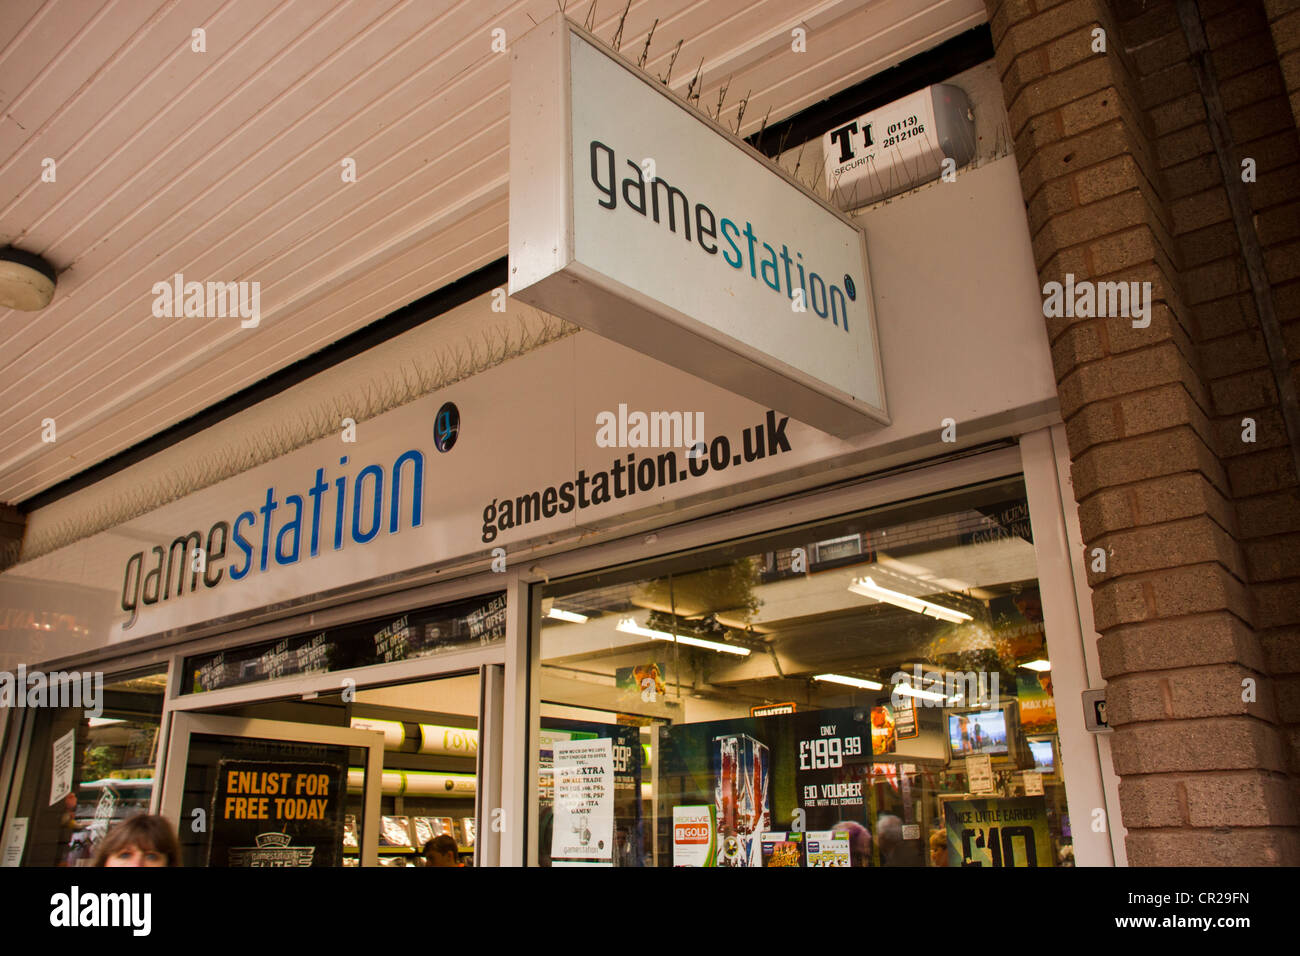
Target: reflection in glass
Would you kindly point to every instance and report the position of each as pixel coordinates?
(861, 692)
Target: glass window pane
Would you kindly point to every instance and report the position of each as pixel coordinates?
(869, 691)
(113, 756)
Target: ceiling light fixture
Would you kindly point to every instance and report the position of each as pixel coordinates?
(629, 626)
(907, 690)
(850, 681)
(26, 280)
(571, 616)
(869, 588)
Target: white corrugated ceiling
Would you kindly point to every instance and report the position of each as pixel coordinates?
(226, 165)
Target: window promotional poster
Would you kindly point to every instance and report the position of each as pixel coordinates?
(768, 781)
(998, 832)
(589, 806)
(277, 814)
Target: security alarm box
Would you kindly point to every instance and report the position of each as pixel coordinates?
(899, 146)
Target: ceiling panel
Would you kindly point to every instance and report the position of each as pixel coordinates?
(435, 263)
(226, 165)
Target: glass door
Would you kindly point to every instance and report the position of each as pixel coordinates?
(254, 792)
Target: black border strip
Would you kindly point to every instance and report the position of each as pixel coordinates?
(953, 56)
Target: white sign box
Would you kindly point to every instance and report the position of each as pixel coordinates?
(899, 146)
(633, 215)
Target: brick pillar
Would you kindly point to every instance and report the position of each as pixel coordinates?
(1203, 772)
(12, 524)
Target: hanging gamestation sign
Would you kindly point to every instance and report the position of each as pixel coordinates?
(634, 216)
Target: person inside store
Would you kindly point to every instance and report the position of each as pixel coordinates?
(441, 851)
(939, 848)
(859, 841)
(139, 840)
(889, 838)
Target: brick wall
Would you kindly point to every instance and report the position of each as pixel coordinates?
(1284, 24)
(1203, 589)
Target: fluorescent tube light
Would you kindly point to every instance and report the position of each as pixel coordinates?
(850, 681)
(1038, 665)
(907, 690)
(629, 626)
(571, 616)
(869, 588)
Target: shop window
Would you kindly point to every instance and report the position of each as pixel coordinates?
(873, 691)
(87, 770)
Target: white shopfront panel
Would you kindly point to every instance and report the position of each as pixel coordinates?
(961, 331)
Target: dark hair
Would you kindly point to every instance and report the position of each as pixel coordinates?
(859, 841)
(144, 831)
(441, 844)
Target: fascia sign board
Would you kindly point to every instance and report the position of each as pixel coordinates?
(636, 217)
(899, 146)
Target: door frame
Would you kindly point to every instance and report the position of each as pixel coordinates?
(185, 724)
(473, 659)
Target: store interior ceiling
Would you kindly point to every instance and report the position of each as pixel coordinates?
(802, 626)
(225, 165)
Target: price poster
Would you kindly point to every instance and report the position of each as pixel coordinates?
(583, 827)
(803, 771)
(979, 773)
(832, 754)
(277, 813)
(1008, 832)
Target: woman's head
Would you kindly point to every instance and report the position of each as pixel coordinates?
(141, 840)
(939, 848)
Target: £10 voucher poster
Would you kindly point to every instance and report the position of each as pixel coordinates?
(998, 832)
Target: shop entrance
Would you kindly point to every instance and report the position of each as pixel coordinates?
(249, 792)
(366, 776)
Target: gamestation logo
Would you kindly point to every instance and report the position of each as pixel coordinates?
(742, 249)
(446, 427)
